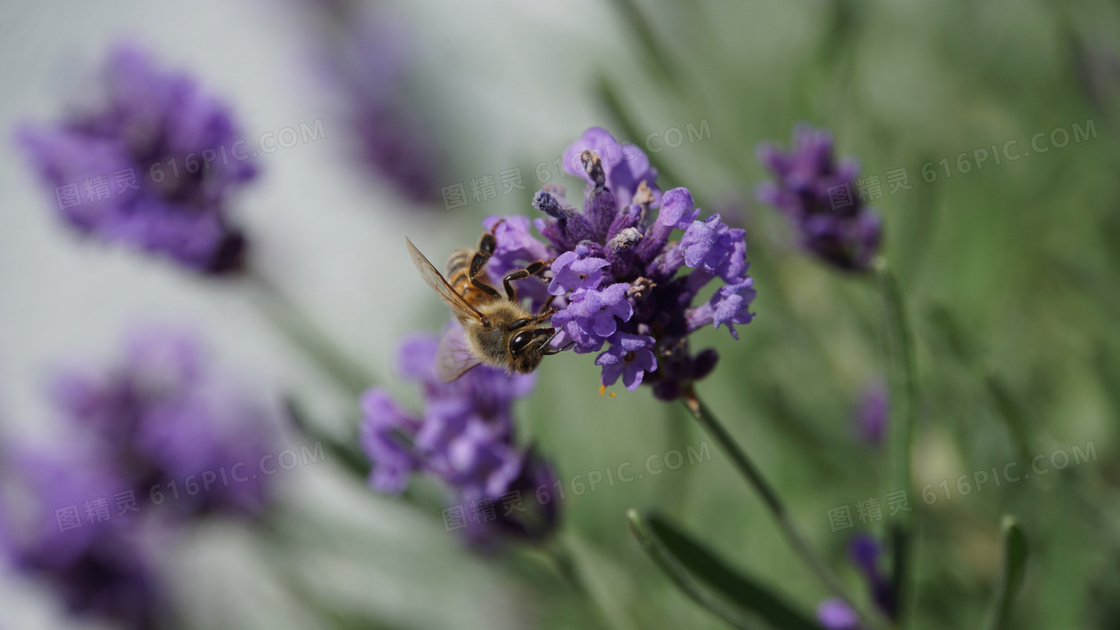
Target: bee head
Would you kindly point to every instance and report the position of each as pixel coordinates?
(527, 346)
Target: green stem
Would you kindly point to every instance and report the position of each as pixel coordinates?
(904, 396)
(566, 567)
(283, 313)
(568, 570)
(754, 477)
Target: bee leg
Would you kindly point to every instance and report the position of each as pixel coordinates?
(545, 313)
(494, 228)
(537, 268)
(511, 277)
(534, 269)
(481, 257)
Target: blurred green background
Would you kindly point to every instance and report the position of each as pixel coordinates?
(1009, 271)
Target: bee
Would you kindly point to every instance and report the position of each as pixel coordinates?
(493, 329)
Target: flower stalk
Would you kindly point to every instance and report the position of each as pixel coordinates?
(289, 319)
(751, 473)
(904, 390)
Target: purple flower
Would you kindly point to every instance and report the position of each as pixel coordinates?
(618, 277)
(677, 209)
(592, 315)
(98, 566)
(729, 305)
(572, 271)
(151, 166)
(715, 248)
(630, 356)
(465, 437)
(161, 416)
(624, 165)
(394, 462)
(864, 551)
(147, 448)
(367, 62)
(821, 199)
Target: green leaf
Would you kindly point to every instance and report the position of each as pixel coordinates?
(672, 568)
(681, 558)
(1011, 577)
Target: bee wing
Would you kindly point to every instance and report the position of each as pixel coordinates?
(461, 308)
(453, 357)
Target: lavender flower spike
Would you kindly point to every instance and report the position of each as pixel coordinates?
(367, 62)
(151, 165)
(834, 614)
(146, 448)
(465, 437)
(821, 200)
(616, 273)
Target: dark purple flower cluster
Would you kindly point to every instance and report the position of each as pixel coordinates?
(834, 614)
(465, 437)
(821, 199)
(615, 270)
(147, 447)
(150, 166)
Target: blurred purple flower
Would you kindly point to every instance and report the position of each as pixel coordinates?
(151, 165)
(820, 197)
(465, 437)
(834, 614)
(873, 412)
(66, 535)
(149, 445)
(367, 63)
(864, 551)
(161, 416)
(615, 270)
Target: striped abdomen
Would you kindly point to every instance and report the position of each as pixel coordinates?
(457, 271)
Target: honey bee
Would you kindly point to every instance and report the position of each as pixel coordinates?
(493, 329)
